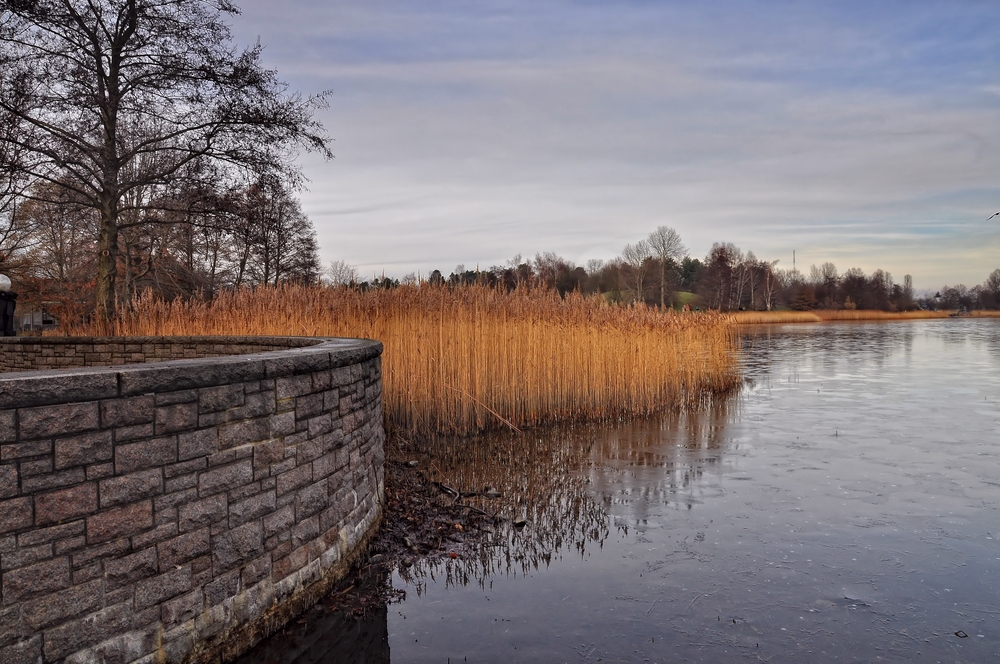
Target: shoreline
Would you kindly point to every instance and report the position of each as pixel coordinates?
(831, 315)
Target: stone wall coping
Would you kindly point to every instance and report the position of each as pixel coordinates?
(281, 342)
(20, 389)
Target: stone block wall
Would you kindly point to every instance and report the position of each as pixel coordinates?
(31, 353)
(180, 511)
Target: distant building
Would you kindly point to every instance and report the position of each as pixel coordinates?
(35, 321)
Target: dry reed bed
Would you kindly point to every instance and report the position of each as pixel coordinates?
(459, 360)
(820, 315)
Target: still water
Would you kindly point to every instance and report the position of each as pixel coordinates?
(842, 507)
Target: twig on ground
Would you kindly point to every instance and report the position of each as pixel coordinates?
(495, 414)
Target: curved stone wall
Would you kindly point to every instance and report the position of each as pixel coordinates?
(179, 511)
(30, 353)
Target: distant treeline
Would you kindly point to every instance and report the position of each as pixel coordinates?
(257, 234)
(727, 279)
(981, 296)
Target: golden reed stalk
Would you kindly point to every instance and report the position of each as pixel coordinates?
(459, 360)
(820, 315)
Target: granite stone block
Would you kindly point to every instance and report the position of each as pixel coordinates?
(55, 420)
(131, 568)
(195, 444)
(155, 590)
(243, 433)
(203, 512)
(35, 580)
(8, 480)
(119, 522)
(294, 479)
(182, 549)
(131, 488)
(77, 634)
(70, 603)
(237, 546)
(83, 449)
(224, 478)
(127, 411)
(15, 514)
(64, 504)
(176, 417)
(145, 454)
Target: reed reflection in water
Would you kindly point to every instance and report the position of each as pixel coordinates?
(531, 483)
(552, 488)
(662, 461)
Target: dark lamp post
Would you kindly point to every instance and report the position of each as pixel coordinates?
(8, 300)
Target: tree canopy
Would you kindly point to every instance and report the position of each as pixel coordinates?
(140, 107)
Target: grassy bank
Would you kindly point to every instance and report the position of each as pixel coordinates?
(820, 315)
(464, 359)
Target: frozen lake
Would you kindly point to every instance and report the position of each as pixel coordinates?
(842, 507)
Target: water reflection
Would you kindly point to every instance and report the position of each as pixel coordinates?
(828, 345)
(531, 483)
(323, 636)
(562, 481)
(673, 460)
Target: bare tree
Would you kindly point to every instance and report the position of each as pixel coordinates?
(546, 268)
(342, 273)
(275, 241)
(665, 243)
(16, 234)
(992, 284)
(771, 286)
(211, 248)
(62, 237)
(752, 273)
(716, 280)
(113, 95)
(635, 256)
(15, 231)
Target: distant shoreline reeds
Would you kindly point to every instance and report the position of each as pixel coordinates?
(825, 315)
(462, 359)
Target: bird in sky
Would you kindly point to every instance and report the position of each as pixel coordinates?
(995, 214)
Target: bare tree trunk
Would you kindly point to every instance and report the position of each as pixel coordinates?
(110, 193)
(754, 279)
(107, 259)
(128, 278)
(663, 281)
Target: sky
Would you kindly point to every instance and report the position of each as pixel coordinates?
(866, 134)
